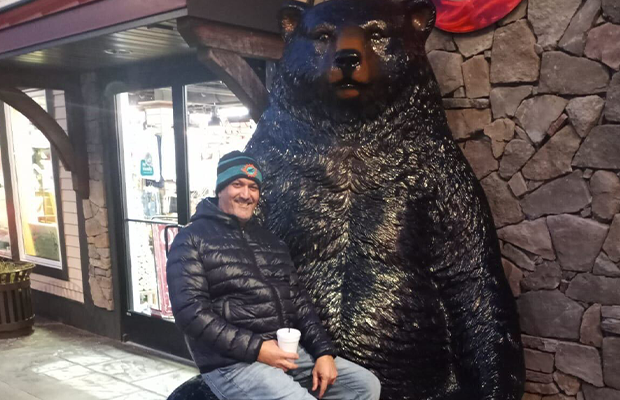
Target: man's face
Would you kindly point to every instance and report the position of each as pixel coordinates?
(239, 198)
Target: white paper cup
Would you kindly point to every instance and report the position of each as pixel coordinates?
(288, 339)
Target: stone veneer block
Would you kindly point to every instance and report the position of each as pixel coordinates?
(590, 332)
(612, 243)
(538, 343)
(514, 276)
(577, 241)
(611, 361)
(594, 289)
(504, 206)
(580, 361)
(501, 131)
(440, 40)
(584, 113)
(506, 100)
(538, 361)
(476, 77)
(564, 74)
(601, 149)
(516, 154)
(549, 313)
(573, 40)
(464, 123)
(532, 236)
(513, 57)
(550, 18)
(541, 388)
(537, 114)
(538, 377)
(593, 393)
(517, 185)
(567, 384)
(605, 188)
(519, 12)
(612, 105)
(480, 157)
(568, 194)
(611, 9)
(470, 44)
(604, 266)
(547, 276)
(518, 257)
(554, 158)
(447, 68)
(604, 44)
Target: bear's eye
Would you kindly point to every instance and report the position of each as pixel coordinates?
(323, 36)
(377, 35)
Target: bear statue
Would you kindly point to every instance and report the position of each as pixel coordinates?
(388, 227)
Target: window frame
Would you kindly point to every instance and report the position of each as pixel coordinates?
(42, 266)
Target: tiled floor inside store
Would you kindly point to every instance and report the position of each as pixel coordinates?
(58, 362)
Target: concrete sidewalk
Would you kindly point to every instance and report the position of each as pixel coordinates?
(58, 362)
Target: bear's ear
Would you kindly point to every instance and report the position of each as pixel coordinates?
(421, 14)
(289, 16)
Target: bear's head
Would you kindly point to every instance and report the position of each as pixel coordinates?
(347, 57)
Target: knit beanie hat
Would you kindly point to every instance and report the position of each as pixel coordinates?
(235, 165)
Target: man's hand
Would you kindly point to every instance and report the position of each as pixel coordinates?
(324, 373)
(271, 354)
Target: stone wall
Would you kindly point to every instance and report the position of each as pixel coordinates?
(534, 102)
(95, 207)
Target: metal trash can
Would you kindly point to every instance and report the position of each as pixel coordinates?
(16, 313)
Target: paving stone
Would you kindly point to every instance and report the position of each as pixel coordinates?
(480, 157)
(567, 384)
(464, 123)
(514, 276)
(574, 39)
(605, 188)
(612, 106)
(567, 194)
(554, 158)
(601, 149)
(612, 243)
(546, 276)
(439, 40)
(532, 236)
(593, 393)
(517, 185)
(539, 343)
(564, 74)
(584, 113)
(506, 100)
(549, 313)
(580, 361)
(611, 10)
(513, 57)
(447, 68)
(590, 332)
(577, 241)
(541, 388)
(504, 206)
(476, 77)
(611, 361)
(594, 289)
(470, 44)
(516, 154)
(604, 44)
(520, 11)
(604, 266)
(518, 257)
(550, 18)
(537, 114)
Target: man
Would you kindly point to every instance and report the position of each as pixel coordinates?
(232, 285)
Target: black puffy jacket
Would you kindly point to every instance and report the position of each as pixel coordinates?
(231, 288)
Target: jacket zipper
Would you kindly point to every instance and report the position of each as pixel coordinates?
(271, 287)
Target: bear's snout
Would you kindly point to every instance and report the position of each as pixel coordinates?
(347, 60)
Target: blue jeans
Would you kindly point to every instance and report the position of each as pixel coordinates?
(258, 381)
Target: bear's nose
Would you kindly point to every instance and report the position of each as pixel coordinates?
(347, 60)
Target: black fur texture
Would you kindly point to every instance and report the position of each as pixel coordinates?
(389, 228)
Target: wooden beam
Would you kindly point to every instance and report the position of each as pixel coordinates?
(41, 79)
(45, 123)
(77, 126)
(245, 42)
(235, 72)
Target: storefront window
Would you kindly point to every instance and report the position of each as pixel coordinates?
(217, 123)
(35, 187)
(150, 191)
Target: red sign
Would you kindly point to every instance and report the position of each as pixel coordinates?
(159, 246)
(461, 16)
